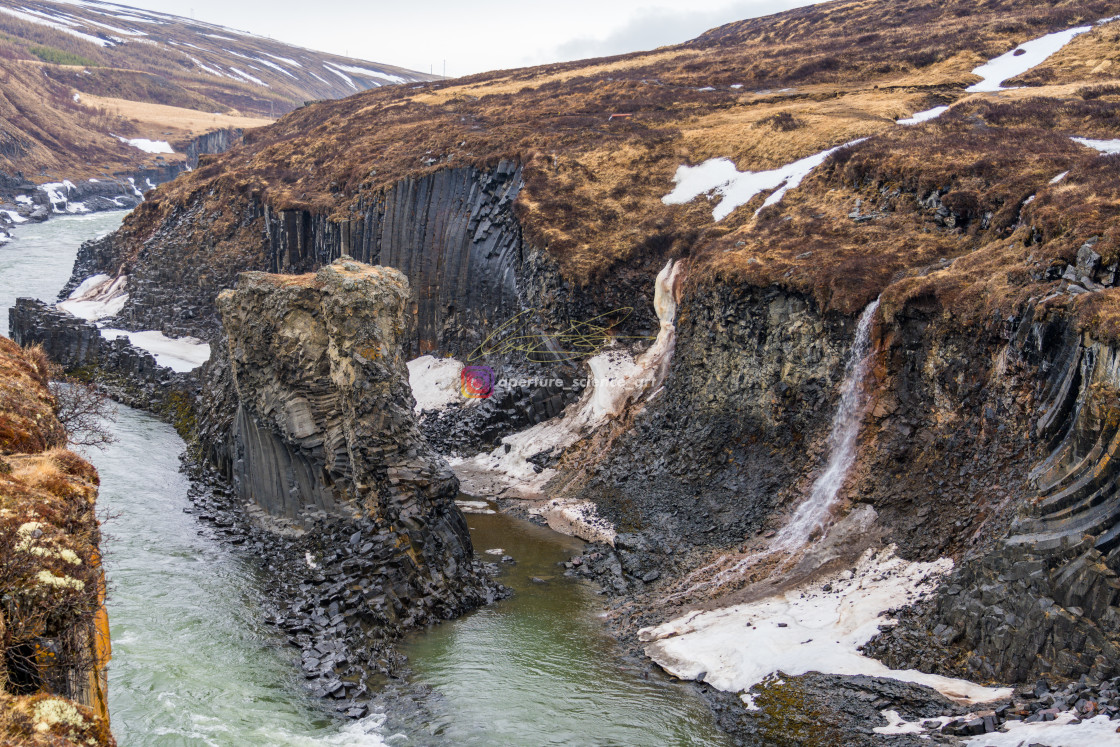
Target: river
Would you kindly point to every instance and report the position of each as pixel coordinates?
(194, 665)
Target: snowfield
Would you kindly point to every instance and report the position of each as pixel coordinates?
(180, 355)
(810, 629)
(737, 188)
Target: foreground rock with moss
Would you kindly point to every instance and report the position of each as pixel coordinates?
(54, 635)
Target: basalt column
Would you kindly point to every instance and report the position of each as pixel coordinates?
(325, 423)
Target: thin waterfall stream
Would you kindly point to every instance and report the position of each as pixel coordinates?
(811, 515)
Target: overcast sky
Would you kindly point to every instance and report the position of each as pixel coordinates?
(473, 36)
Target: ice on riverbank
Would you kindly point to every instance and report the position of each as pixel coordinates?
(616, 381)
(180, 355)
(816, 628)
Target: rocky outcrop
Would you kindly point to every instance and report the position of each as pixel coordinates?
(130, 374)
(1044, 600)
(54, 635)
(209, 143)
(324, 427)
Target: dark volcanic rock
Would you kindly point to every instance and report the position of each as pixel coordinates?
(824, 710)
(324, 427)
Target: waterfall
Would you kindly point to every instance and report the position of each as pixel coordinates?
(812, 514)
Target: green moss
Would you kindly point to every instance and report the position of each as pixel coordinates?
(787, 716)
(179, 411)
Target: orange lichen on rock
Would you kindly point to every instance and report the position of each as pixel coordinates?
(53, 637)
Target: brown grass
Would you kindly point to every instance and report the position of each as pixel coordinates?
(806, 80)
(161, 122)
(48, 528)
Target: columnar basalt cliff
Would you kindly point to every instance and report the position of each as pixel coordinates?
(54, 634)
(989, 234)
(324, 421)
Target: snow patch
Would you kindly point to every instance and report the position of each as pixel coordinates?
(276, 67)
(1098, 731)
(807, 630)
(578, 519)
(927, 115)
(181, 355)
(250, 78)
(98, 297)
(616, 379)
(1106, 147)
(339, 73)
(148, 146)
(365, 72)
(435, 382)
(737, 188)
(59, 198)
(38, 18)
(1059, 177)
(1021, 59)
(898, 725)
(14, 217)
(288, 60)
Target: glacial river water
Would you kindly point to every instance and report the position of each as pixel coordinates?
(194, 665)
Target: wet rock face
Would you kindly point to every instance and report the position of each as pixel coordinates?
(324, 422)
(822, 709)
(753, 384)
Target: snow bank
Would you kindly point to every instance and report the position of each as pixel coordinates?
(98, 297)
(806, 630)
(616, 380)
(181, 355)
(14, 217)
(148, 146)
(435, 382)
(1017, 62)
(1098, 731)
(1104, 146)
(719, 175)
(925, 116)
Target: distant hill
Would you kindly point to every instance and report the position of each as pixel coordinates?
(76, 77)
